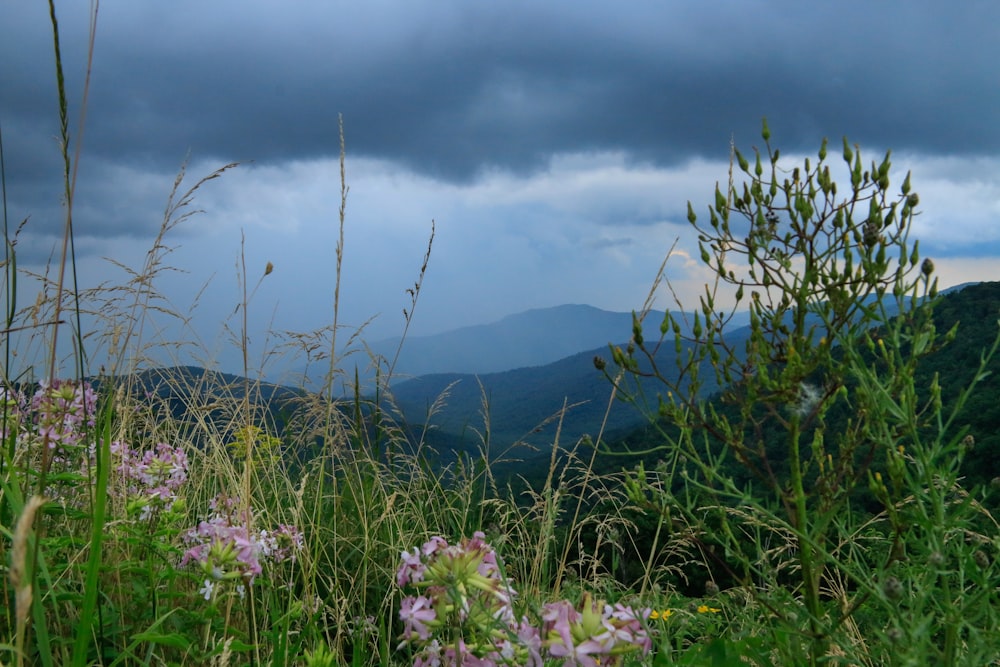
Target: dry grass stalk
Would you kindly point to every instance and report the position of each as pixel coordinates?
(19, 576)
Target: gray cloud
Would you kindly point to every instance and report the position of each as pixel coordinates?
(452, 88)
(554, 142)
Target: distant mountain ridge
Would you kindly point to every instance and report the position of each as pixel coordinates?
(534, 337)
(520, 399)
(531, 338)
(521, 402)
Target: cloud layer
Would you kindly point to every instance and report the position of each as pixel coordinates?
(555, 144)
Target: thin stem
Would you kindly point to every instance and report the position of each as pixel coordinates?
(810, 578)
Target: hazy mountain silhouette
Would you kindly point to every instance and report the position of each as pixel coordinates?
(531, 338)
(522, 405)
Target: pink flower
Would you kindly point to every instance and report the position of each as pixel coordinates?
(411, 570)
(152, 477)
(416, 612)
(433, 545)
(581, 654)
(531, 640)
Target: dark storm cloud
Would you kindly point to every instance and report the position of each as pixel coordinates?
(453, 88)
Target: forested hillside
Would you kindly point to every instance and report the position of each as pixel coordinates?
(974, 312)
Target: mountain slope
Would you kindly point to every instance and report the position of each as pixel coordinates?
(975, 310)
(523, 402)
(531, 338)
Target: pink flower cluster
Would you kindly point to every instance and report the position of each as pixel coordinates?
(151, 478)
(464, 615)
(56, 422)
(281, 544)
(227, 550)
(595, 634)
(62, 411)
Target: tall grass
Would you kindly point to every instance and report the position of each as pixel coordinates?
(98, 515)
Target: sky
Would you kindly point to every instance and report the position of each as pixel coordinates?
(552, 145)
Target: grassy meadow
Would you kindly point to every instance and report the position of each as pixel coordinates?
(812, 512)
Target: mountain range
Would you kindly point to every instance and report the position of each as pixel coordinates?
(546, 362)
(522, 405)
(527, 339)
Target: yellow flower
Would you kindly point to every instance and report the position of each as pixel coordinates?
(703, 609)
(665, 614)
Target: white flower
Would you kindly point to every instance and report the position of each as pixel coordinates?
(207, 589)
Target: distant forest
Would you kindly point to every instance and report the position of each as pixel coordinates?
(975, 310)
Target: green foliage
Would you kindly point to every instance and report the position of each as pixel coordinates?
(840, 309)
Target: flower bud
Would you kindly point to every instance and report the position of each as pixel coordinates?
(893, 588)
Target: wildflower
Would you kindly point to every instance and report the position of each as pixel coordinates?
(224, 552)
(705, 609)
(465, 599)
(664, 615)
(416, 613)
(62, 410)
(225, 549)
(207, 589)
(591, 631)
(569, 634)
(60, 417)
(151, 479)
(531, 641)
(411, 570)
(281, 544)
